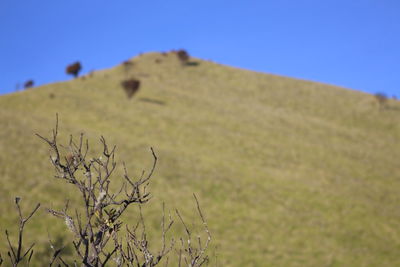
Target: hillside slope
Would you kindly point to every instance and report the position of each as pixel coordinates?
(288, 172)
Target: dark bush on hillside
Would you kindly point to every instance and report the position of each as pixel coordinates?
(74, 69)
(127, 63)
(183, 56)
(382, 100)
(130, 87)
(29, 84)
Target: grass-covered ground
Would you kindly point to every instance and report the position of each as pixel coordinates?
(288, 172)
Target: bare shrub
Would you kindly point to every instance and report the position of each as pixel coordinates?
(130, 87)
(29, 84)
(15, 251)
(96, 225)
(74, 69)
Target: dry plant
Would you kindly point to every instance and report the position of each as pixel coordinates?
(15, 252)
(96, 226)
(189, 253)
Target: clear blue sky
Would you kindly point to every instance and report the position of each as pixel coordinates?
(355, 44)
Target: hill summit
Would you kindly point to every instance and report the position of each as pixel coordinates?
(289, 172)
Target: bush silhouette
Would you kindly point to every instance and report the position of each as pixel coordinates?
(183, 56)
(74, 69)
(130, 86)
(127, 63)
(29, 84)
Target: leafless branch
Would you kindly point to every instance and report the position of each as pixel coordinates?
(17, 255)
(192, 255)
(56, 254)
(98, 221)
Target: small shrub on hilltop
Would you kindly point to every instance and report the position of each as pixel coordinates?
(29, 84)
(183, 56)
(74, 69)
(128, 64)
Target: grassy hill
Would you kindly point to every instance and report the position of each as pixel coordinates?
(288, 172)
